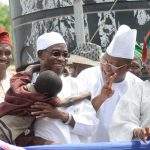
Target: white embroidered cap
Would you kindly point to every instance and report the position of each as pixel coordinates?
(48, 39)
(123, 43)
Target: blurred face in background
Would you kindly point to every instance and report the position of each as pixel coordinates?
(5, 59)
(136, 67)
(147, 66)
(147, 62)
(76, 68)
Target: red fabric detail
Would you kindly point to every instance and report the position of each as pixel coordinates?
(4, 37)
(18, 100)
(145, 44)
(147, 38)
(144, 53)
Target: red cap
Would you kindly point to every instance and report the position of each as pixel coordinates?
(4, 37)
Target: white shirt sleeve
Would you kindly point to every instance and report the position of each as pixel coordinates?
(83, 81)
(126, 116)
(85, 119)
(83, 113)
(91, 80)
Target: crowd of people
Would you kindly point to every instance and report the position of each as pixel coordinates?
(63, 100)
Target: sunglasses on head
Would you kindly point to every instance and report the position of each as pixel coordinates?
(59, 54)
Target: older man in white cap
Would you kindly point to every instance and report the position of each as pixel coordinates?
(111, 80)
(131, 119)
(67, 125)
(5, 58)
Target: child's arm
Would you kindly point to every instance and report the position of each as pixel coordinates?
(75, 99)
(141, 133)
(32, 68)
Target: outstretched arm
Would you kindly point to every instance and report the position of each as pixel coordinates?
(32, 68)
(75, 99)
(82, 122)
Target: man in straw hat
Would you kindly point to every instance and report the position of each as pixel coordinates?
(5, 58)
(131, 117)
(85, 56)
(72, 124)
(111, 80)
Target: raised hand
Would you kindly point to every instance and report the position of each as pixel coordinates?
(106, 92)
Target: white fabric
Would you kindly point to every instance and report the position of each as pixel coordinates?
(48, 39)
(6, 146)
(83, 113)
(123, 43)
(4, 86)
(131, 112)
(91, 79)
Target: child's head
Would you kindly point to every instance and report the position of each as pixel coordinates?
(48, 83)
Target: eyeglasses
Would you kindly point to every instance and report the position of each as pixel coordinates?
(112, 67)
(59, 54)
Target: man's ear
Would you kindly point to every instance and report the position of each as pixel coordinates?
(129, 66)
(40, 54)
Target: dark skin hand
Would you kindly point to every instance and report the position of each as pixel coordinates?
(46, 110)
(106, 92)
(141, 133)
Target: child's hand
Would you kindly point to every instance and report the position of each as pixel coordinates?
(141, 133)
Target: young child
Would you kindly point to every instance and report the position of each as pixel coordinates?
(16, 112)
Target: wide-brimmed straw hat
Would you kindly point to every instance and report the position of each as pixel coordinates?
(88, 53)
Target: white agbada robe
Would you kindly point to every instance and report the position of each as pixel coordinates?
(4, 86)
(83, 114)
(133, 111)
(91, 79)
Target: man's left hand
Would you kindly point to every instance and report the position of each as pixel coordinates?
(46, 110)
